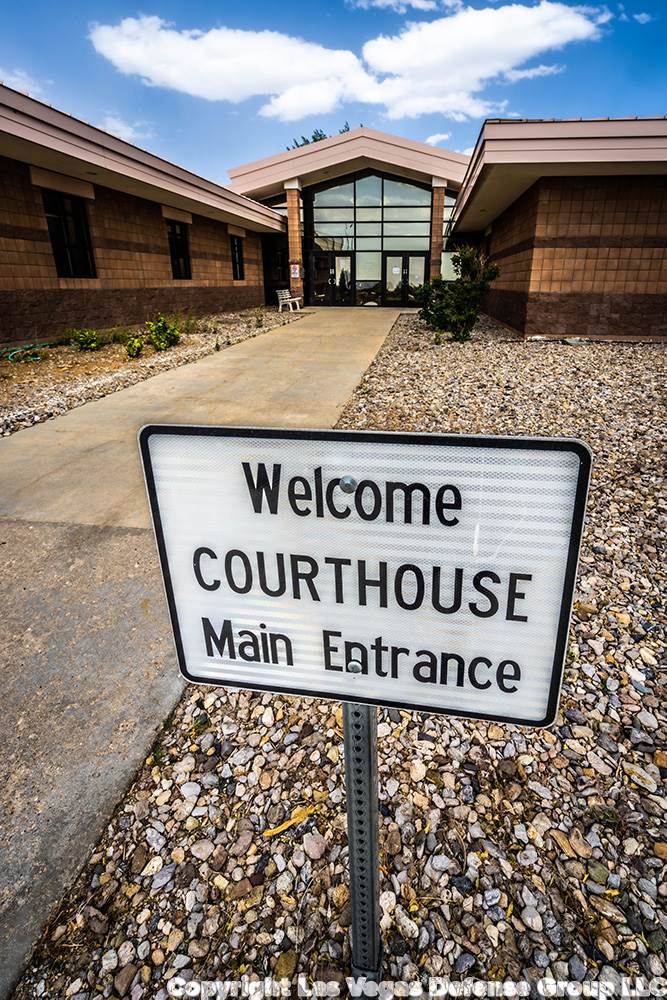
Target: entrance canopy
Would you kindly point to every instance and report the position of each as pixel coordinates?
(366, 216)
(358, 149)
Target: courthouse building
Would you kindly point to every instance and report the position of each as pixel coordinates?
(96, 232)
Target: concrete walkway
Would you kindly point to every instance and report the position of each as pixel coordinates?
(88, 671)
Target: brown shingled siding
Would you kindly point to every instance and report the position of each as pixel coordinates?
(129, 240)
(595, 263)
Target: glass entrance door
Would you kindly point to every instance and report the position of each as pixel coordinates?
(403, 273)
(332, 280)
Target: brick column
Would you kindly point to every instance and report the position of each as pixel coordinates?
(294, 237)
(438, 188)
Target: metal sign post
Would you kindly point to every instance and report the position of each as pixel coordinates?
(361, 781)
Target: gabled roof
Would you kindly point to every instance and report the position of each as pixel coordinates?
(42, 136)
(358, 149)
(511, 154)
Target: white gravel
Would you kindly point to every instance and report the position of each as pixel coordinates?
(504, 852)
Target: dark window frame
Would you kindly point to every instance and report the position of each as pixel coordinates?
(178, 238)
(69, 233)
(238, 263)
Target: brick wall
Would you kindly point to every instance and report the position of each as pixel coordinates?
(129, 240)
(510, 245)
(295, 239)
(437, 241)
(595, 263)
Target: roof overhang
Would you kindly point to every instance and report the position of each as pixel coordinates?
(511, 155)
(44, 137)
(358, 149)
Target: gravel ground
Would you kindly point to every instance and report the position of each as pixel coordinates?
(504, 853)
(65, 377)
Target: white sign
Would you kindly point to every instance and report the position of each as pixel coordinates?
(294, 271)
(444, 578)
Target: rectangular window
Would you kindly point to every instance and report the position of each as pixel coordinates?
(369, 229)
(179, 250)
(237, 257)
(333, 215)
(407, 228)
(369, 215)
(407, 243)
(342, 194)
(403, 193)
(414, 212)
(334, 228)
(69, 234)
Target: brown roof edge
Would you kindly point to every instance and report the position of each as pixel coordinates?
(563, 146)
(344, 137)
(39, 123)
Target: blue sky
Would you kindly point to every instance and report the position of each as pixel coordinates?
(209, 85)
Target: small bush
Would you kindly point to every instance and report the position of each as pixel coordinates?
(85, 340)
(134, 346)
(454, 306)
(259, 317)
(162, 333)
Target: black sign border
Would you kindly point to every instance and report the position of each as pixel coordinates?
(386, 437)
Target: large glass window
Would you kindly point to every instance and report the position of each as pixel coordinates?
(369, 212)
(68, 231)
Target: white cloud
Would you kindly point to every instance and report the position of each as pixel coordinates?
(437, 138)
(227, 64)
(444, 65)
(129, 131)
(18, 79)
(513, 75)
(468, 151)
(642, 18)
(435, 66)
(400, 6)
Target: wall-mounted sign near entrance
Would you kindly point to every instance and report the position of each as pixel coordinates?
(418, 571)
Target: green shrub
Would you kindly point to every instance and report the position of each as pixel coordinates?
(259, 317)
(134, 346)
(85, 340)
(454, 306)
(162, 333)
